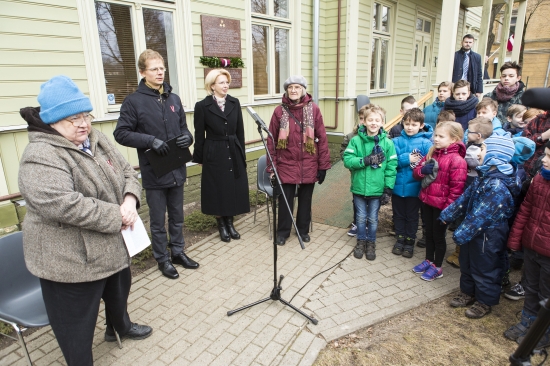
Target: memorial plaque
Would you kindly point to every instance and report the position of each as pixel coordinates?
(236, 77)
(221, 37)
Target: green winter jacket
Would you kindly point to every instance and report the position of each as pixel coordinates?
(366, 181)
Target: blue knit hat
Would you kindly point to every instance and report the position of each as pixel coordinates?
(500, 151)
(525, 148)
(60, 98)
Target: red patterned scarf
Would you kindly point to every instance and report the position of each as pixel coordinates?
(505, 93)
(308, 123)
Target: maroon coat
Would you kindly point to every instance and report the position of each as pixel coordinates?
(534, 129)
(531, 227)
(294, 164)
(451, 177)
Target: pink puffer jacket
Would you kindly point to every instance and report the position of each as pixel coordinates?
(451, 177)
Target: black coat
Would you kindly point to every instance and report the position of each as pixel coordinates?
(144, 116)
(475, 77)
(219, 147)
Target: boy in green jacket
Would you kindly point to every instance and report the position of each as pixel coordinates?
(372, 160)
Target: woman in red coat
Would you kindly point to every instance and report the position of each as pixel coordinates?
(531, 230)
(300, 153)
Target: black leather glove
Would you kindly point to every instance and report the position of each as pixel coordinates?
(373, 158)
(427, 169)
(385, 199)
(321, 174)
(184, 141)
(160, 147)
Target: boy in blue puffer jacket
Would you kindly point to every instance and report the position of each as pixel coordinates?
(487, 205)
(410, 147)
(432, 111)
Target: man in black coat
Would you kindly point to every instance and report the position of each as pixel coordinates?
(470, 69)
(149, 117)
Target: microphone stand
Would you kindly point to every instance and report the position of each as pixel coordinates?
(522, 355)
(276, 183)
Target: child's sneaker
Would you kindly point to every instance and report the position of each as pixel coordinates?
(370, 251)
(462, 300)
(544, 341)
(422, 267)
(453, 258)
(421, 243)
(520, 329)
(432, 273)
(353, 230)
(359, 249)
(398, 246)
(408, 248)
(516, 292)
(477, 311)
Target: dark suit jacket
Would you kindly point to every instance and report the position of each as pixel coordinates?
(475, 77)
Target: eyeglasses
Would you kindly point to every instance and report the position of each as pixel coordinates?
(77, 119)
(297, 87)
(477, 133)
(155, 69)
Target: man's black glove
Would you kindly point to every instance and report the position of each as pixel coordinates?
(160, 147)
(321, 174)
(374, 158)
(385, 199)
(427, 169)
(184, 141)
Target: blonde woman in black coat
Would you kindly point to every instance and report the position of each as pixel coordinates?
(219, 147)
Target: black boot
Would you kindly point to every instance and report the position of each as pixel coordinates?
(408, 248)
(224, 235)
(229, 225)
(398, 246)
(421, 243)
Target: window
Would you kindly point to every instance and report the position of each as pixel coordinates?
(270, 46)
(121, 43)
(381, 37)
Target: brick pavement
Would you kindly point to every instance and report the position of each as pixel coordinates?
(189, 318)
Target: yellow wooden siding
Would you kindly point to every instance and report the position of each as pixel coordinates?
(362, 73)
(404, 41)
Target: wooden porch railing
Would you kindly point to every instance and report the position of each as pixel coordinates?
(395, 120)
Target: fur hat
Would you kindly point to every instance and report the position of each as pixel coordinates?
(60, 98)
(525, 148)
(295, 79)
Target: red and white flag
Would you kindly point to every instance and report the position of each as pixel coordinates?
(510, 45)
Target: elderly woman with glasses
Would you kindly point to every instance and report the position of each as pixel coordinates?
(219, 147)
(80, 193)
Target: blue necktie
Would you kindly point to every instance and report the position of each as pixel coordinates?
(465, 66)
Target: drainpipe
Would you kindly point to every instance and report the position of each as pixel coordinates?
(316, 17)
(337, 66)
(547, 72)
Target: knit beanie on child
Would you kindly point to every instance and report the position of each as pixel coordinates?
(500, 151)
(525, 148)
(60, 98)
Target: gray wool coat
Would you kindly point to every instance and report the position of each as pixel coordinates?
(71, 232)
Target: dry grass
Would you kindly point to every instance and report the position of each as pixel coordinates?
(432, 334)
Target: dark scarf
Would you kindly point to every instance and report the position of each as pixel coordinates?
(308, 123)
(545, 173)
(32, 116)
(513, 130)
(505, 93)
(461, 107)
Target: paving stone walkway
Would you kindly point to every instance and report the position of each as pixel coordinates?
(189, 317)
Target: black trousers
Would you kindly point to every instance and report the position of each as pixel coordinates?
(73, 308)
(303, 216)
(436, 245)
(405, 215)
(536, 280)
(160, 200)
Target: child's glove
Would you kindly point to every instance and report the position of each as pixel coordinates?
(427, 169)
(374, 159)
(385, 199)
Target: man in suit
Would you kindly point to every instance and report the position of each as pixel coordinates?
(148, 118)
(467, 66)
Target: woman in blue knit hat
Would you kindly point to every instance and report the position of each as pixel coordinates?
(80, 193)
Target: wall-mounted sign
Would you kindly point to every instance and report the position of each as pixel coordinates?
(221, 37)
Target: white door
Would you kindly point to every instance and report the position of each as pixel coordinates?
(421, 58)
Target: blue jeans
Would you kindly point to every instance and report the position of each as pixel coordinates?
(366, 217)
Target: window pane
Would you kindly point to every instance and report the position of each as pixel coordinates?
(374, 64)
(117, 49)
(416, 54)
(419, 23)
(424, 59)
(385, 19)
(282, 67)
(259, 6)
(383, 63)
(375, 12)
(281, 8)
(427, 26)
(259, 57)
(159, 36)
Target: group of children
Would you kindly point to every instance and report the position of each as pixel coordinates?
(456, 163)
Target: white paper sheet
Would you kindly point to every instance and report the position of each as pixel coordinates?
(136, 240)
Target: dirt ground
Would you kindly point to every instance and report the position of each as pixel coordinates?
(432, 334)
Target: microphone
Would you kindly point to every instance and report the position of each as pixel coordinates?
(536, 98)
(257, 119)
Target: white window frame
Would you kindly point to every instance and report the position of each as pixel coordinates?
(92, 52)
(382, 36)
(294, 38)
